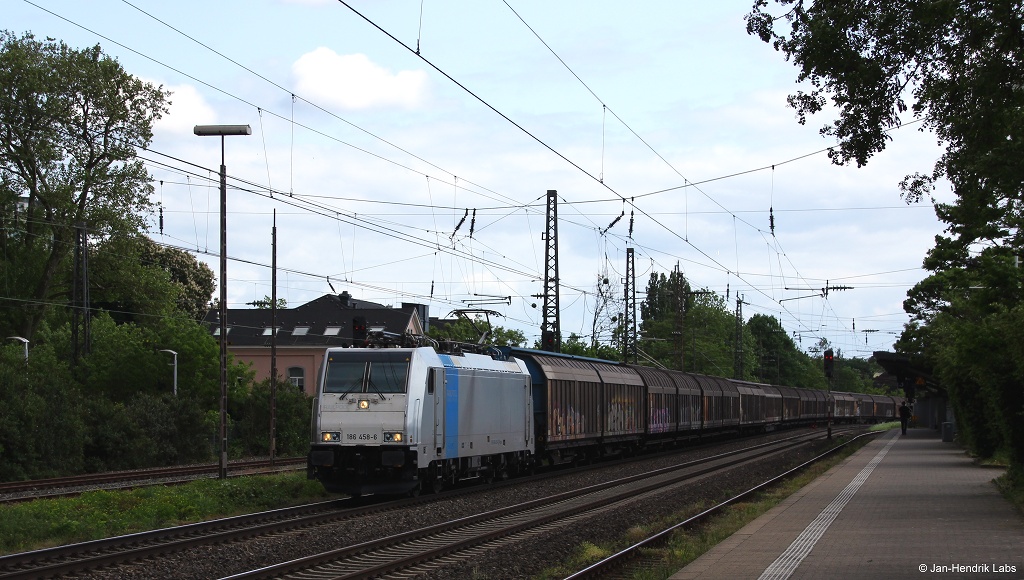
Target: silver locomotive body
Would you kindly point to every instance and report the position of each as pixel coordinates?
(395, 420)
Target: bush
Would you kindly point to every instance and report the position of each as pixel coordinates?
(41, 426)
(252, 421)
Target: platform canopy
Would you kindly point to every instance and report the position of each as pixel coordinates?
(914, 378)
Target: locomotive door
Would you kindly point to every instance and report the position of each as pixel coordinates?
(437, 381)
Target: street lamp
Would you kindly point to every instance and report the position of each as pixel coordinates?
(24, 342)
(175, 363)
(223, 131)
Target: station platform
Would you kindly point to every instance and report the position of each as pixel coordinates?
(907, 506)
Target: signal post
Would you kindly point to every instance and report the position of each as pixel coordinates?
(829, 369)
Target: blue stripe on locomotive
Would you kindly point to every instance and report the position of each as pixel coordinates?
(451, 407)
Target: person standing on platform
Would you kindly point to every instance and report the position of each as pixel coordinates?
(904, 416)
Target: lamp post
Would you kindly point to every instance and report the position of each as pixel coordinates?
(175, 363)
(223, 131)
(24, 342)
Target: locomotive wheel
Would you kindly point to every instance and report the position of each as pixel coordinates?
(434, 483)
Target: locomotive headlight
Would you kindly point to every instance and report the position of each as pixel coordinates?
(393, 437)
(330, 436)
(364, 404)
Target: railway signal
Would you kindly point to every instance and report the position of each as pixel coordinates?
(358, 328)
(830, 363)
(547, 340)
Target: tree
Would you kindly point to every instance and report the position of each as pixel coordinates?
(709, 328)
(40, 399)
(575, 345)
(266, 303)
(956, 66)
(251, 414)
(464, 330)
(194, 280)
(70, 124)
(778, 361)
(126, 285)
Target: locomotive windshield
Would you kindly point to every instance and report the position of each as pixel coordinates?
(376, 372)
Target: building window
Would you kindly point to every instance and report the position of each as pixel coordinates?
(300, 331)
(268, 331)
(216, 330)
(332, 331)
(297, 377)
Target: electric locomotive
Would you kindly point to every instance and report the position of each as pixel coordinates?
(397, 420)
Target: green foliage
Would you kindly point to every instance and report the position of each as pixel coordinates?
(136, 279)
(957, 66)
(778, 361)
(193, 280)
(576, 346)
(981, 361)
(42, 426)
(70, 123)
(252, 420)
(116, 409)
(71, 120)
(464, 330)
(147, 431)
(709, 329)
(266, 303)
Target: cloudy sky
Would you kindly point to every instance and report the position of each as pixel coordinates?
(377, 125)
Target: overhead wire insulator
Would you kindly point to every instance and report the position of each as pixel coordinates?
(631, 224)
(161, 208)
(614, 221)
(461, 221)
(472, 223)
(771, 220)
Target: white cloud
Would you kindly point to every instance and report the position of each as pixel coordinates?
(353, 81)
(187, 109)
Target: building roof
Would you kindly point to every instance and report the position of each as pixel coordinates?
(325, 321)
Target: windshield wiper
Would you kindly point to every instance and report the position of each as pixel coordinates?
(376, 390)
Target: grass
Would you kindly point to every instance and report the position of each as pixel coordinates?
(686, 546)
(102, 514)
(1011, 485)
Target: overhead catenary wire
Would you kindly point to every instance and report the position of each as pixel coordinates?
(293, 127)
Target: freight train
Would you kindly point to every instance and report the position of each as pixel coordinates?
(402, 420)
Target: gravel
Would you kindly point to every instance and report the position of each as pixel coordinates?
(517, 559)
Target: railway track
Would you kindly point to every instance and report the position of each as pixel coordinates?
(633, 557)
(418, 551)
(418, 548)
(11, 491)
